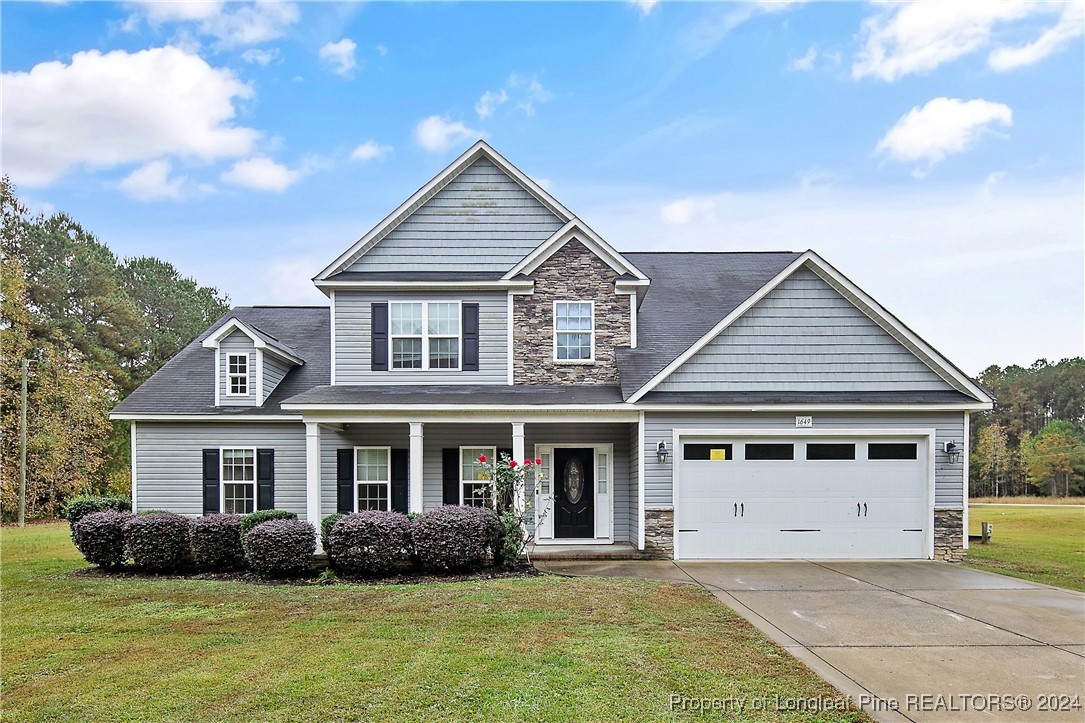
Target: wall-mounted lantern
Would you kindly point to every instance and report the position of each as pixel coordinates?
(662, 452)
(952, 451)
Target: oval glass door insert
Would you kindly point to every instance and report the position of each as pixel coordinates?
(574, 480)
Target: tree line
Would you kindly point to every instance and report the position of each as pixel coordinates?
(94, 327)
(1033, 441)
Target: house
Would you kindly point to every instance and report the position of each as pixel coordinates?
(694, 405)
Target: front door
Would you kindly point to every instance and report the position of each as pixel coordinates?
(574, 483)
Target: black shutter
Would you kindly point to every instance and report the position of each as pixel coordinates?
(507, 502)
(344, 480)
(265, 479)
(210, 481)
(470, 337)
(378, 350)
(450, 476)
(401, 463)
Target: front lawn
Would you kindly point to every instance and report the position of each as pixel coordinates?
(80, 647)
(1043, 544)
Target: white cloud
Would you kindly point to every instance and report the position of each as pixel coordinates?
(340, 55)
(382, 50)
(489, 101)
(711, 29)
(645, 6)
(260, 56)
(106, 110)
(369, 151)
(942, 127)
(262, 174)
(152, 182)
(439, 133)
(908, 38)
(231, 24)
(688, 210)
(806, 62)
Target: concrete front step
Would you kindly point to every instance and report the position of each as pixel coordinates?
(620, 551)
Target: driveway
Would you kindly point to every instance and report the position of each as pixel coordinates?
(923, 641)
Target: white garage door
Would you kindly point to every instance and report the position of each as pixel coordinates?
(788, 498)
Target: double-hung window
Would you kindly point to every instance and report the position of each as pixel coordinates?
(372, 478)
(574, 330)
(238, 476)
(474, 484)
(425, 335)
(237, 367)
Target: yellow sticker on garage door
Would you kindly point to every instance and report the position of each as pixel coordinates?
(718, 455)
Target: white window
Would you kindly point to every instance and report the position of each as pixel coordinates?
(425, 335)
(474, 484)
(372, 478)
(574, 330)
(238, 475)
(238, 374)
(602, 473)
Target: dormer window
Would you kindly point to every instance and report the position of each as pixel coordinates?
(238, 366)
(574, 331)
(425, 335)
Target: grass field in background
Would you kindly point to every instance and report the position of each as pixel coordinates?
(1043, 544)
(81, 647)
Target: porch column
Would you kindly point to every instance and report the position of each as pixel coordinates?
(312, 477)
(414, 496)
(519, 456)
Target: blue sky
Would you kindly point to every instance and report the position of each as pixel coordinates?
(933, 152)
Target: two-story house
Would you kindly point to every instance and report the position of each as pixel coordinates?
(694, 405)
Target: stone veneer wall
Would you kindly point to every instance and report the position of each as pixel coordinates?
(573, 273)
(659, 532)
(949, 535)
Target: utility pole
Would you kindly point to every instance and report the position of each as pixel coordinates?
(22, 450)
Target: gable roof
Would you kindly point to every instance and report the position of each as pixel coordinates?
(185, 385)
(893, 326)
(576, 229)
(480, 150)
(260, 339)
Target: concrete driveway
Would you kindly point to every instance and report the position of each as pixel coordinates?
(923, 641)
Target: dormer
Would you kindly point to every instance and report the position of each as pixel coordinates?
(249, 363)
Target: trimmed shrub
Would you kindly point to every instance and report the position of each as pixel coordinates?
(100, 537)
(253, 519)
(216, 542)
(326, 527)
(369, 542)
(82, 505)
(454, 537)
(158, 542)
(154, 512)
(280, 547)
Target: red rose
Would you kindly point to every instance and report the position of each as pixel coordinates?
(538, 460)
(482, 459)
(512, 463)
(527, 462)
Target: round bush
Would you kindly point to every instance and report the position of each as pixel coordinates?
(216, 542)
(82, 505)
(159, 542)
(100, 537)
(253, 519)
(280, 548)
(454, 538)
(326, 528)
(369, 542)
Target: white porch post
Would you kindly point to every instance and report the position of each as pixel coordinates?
(312, 477)
(519, 456)
(414, 497)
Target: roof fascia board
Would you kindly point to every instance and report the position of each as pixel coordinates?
(138, 417)
(479, 150)
(500, 284)
(575, 228)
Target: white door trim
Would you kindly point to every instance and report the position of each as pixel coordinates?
(604, 447)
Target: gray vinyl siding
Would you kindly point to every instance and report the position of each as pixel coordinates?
(482, 220)
(274, 371)
(948, 426)
(803, 336)
(353, 335)
(169, 461)
(236, 343)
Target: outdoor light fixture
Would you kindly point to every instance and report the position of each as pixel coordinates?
(952, 451)
(662, 452)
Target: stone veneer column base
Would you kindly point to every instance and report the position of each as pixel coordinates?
(659, 532)
(949, 535)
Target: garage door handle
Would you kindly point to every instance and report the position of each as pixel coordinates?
(864, 509)
(858, 509)
(736, 509)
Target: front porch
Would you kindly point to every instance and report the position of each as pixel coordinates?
(588, 497)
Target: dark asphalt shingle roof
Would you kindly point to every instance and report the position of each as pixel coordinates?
(690, 293)
(475, 394)
(186, 383)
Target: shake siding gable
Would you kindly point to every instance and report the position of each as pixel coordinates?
(483, 220)
(803, 336)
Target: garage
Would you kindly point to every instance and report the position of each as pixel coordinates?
(793, 497)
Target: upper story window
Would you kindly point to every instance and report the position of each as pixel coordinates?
(574, 330)
(425, 335)
(238, 368)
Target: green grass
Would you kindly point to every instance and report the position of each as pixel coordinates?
(92, 648)
(1043, 544)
